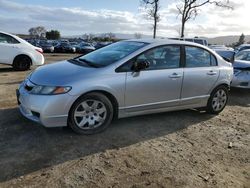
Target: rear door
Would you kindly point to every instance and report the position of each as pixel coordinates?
(200, 74)
(8, 48)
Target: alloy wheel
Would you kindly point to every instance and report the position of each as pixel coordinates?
(90, 114)
(219, 100)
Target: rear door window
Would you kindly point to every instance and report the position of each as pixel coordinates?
(198, 57)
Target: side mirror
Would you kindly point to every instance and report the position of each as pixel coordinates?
(140, 65)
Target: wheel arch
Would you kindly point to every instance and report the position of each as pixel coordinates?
(110, 96)
(23, 55)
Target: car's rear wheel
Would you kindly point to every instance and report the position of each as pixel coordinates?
(90, 114)
(218, 100)
(22, 63)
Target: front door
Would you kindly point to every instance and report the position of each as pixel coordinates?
(158, 86)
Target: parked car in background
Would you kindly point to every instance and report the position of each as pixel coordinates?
(241, 66)
(46, 46)
(127, 78)
(220, 47)
(74, 44)
(99, 45)
(242, 47)
(19, 53)
(226, 54)
(84, 48)
(64, 48)
(197, 40)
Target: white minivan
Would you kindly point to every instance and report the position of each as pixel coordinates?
(18, 53)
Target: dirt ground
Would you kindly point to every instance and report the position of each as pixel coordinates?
(177, 149)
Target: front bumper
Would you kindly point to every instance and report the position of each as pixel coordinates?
(241, 80)
(48, 110)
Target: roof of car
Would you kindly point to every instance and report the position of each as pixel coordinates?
(223, 49)
(165, 41)
(8, 34)
(247, 50)
(242, 45)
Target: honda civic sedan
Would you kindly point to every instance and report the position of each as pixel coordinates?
(127, 78)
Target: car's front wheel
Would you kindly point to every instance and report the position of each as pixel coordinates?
(218, 100)
(90, 114)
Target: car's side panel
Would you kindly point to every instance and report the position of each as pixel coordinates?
(199, 81)
(7, 53)
(111, 83)
(153, 89)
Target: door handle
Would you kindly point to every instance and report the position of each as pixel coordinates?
(211, 73)
(175, 75)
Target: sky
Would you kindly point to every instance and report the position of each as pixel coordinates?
(77, 17)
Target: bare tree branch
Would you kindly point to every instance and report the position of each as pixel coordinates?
(189, 9)
(153, 12)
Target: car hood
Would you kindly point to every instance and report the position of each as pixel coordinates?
(241, 64)
(61, 73)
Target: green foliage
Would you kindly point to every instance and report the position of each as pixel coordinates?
(53, 35)
(240, 42)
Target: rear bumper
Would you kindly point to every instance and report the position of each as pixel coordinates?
(38, 60)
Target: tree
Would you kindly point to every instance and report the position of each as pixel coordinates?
(138, 35)
(37, 32)
(108, 37)
(241, 39)
(152, 6)
(53, 35)
(188, 9)
(88, 37)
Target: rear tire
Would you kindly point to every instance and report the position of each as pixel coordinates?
(91, 114)
(218, 100)
(22, 63)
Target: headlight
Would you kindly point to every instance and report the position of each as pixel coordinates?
(49, 90)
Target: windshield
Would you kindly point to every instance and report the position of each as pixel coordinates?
(112, 53)
(244, 55)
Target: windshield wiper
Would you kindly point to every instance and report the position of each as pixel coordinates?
(91, 64)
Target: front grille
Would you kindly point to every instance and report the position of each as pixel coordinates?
(29, 85)
(244, 84)
(35, 114)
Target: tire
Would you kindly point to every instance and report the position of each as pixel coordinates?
(90, 114)
(218, 100)
(22, 63)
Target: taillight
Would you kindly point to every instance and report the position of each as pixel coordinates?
(39, 50)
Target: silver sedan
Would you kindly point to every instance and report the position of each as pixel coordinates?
(127, 78)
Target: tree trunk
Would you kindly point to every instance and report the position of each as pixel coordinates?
(155, 27)
(182, 28)
(155, 18)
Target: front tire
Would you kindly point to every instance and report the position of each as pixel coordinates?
(91, 114)
(218, 100)
(22, 63)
